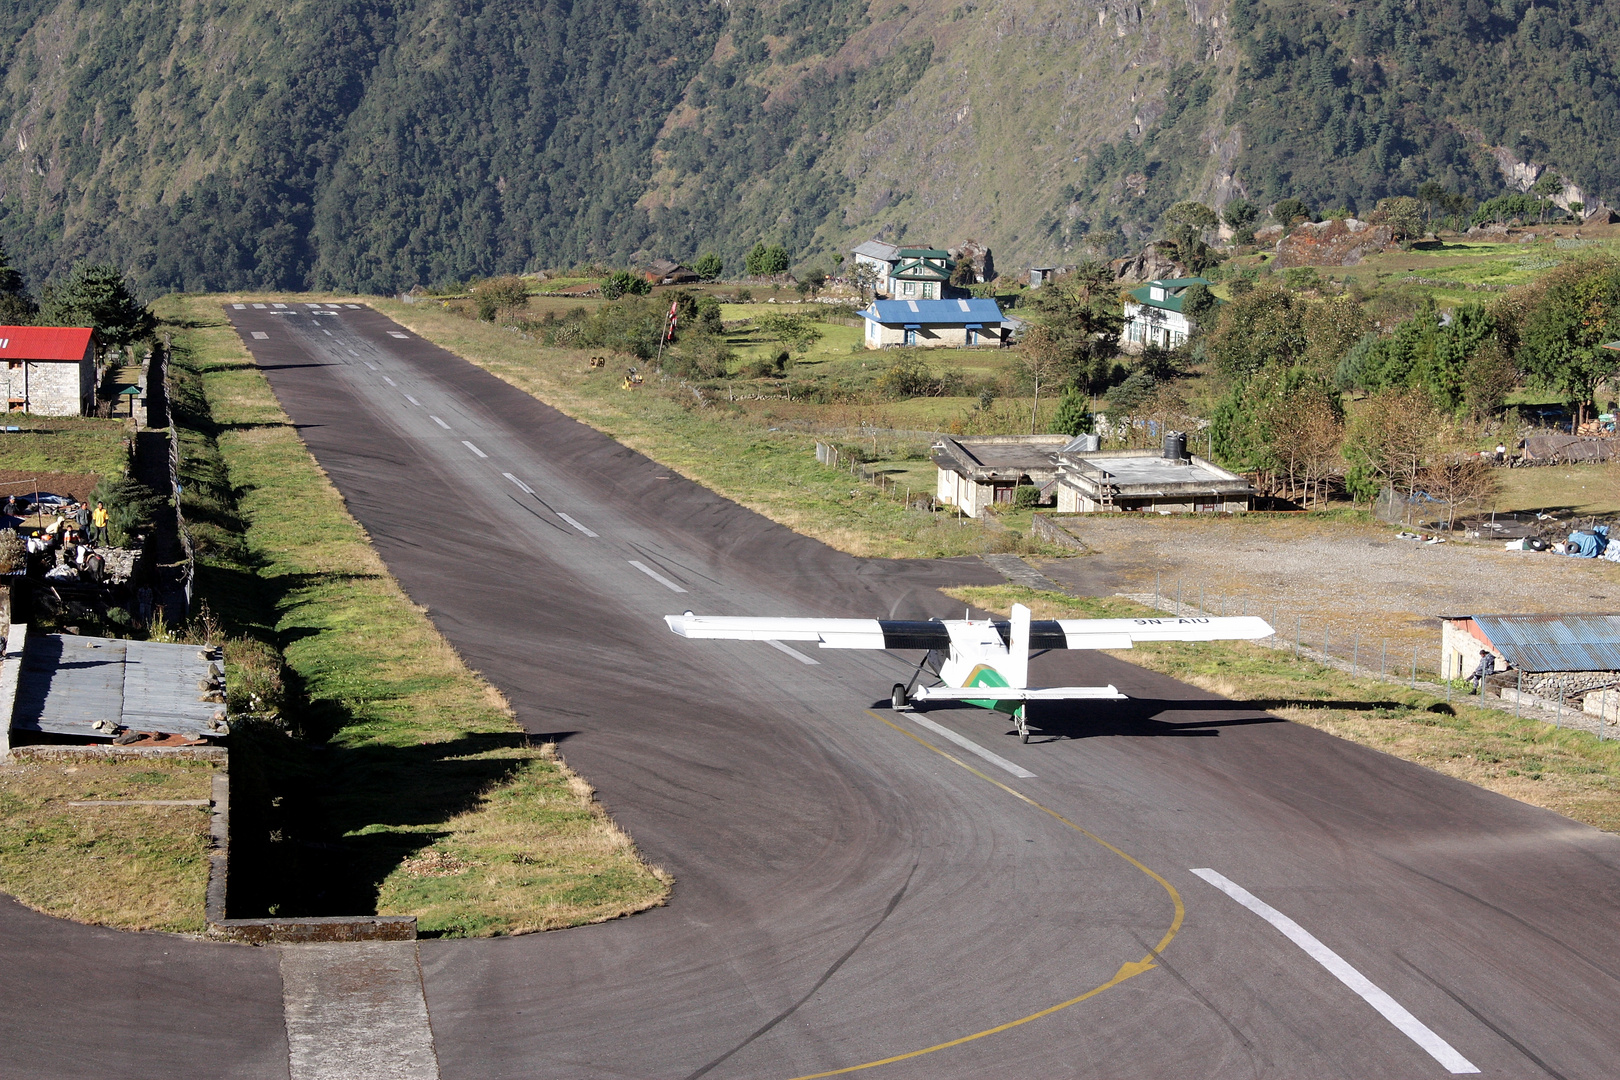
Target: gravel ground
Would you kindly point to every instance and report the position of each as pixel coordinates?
(1346, 580)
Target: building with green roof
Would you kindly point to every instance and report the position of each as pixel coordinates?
(1153, 314)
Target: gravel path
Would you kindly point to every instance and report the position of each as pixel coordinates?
(1346, 580)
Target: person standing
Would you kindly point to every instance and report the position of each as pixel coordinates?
(1501, 453)
(98, 522)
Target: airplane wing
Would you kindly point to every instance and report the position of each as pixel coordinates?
(1010, 693)
(932, 634)
(1125, 633)
(830, 633)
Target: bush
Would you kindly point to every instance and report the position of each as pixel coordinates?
(1026, 496)
(131, 508)
(494, 296)
(12, 550)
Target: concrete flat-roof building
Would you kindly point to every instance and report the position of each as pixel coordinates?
(978, 472)
(49, 370)
(1091, 481)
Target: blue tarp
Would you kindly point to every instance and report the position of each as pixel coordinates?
(1589, 545)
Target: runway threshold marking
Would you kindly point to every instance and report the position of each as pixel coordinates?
(1340, 969)
(972, 747)
(795, 653)
(592, 535)
(260, 335)
(1127, 970)
(645, 569)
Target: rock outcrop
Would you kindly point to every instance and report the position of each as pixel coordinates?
(1339, 242)
(1152, 263)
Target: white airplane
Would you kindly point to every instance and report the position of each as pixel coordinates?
(971, 656)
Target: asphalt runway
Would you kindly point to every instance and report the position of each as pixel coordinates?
(853, 887)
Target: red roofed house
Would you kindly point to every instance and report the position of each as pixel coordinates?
(49, 370)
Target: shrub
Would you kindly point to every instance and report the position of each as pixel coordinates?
(1026, 496)
(131, 508)
(12, 550)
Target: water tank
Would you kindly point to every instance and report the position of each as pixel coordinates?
(1175, 446)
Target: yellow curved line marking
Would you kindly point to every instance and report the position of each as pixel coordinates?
(1126, 971)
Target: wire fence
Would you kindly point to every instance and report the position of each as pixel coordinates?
(1372, 655)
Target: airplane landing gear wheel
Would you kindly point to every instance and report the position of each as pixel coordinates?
(1023, 725)
(898, 696)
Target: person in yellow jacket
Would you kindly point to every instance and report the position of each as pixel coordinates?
(98, 524)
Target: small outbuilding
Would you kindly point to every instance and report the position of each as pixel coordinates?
(668, 272)
(1171, 482)
(978, 472)
(1560, 655)
(934, 324)
(49, 370)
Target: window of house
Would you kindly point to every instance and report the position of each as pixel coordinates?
(13, 365)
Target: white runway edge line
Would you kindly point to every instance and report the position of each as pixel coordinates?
(436, 420)
(525, 488)
(971, 747)
(795, 653)
(655, 575)
(1388, 1007)
(473, 448)
(592, 535)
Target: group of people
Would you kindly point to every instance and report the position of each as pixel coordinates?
(76, 533)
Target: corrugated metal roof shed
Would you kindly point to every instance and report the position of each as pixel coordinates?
(1555, 642)
(67, 683)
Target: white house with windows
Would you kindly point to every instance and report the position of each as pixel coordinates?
(1153, 314)
(880, 259)
(934, 324)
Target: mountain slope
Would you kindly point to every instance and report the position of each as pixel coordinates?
(364, 144)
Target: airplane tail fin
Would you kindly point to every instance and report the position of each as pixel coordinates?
(1017, 670)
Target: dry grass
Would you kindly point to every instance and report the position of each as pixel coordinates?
(130, 867)
(1566, 771)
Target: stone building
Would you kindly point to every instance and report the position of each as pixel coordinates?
(934, 324)
(978, 472)
(49, 370)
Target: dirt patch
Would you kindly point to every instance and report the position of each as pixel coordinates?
(20, 481)
(1349, 580)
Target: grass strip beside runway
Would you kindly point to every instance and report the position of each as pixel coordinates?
(133, 867)
(405, 785)
(1559, 769)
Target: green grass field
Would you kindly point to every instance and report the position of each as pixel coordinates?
(65, 444)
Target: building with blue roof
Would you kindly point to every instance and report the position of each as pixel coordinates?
(934, 324)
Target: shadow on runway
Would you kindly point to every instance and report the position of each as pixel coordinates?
(1141, 717)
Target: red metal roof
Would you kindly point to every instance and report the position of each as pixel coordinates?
(44, 342)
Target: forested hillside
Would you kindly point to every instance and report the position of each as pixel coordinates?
(372, 145)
